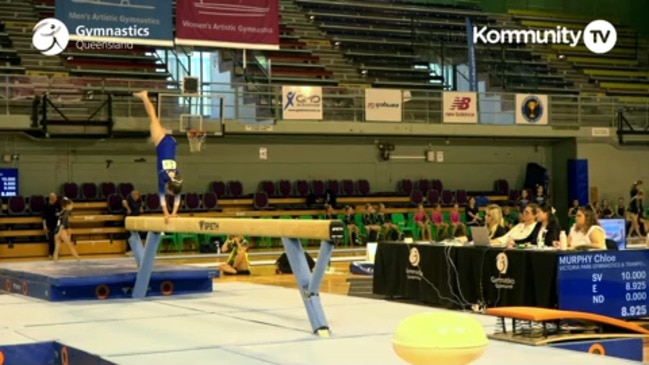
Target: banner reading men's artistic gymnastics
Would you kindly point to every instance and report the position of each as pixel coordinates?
(245, 24)
(531, 109)
(145, 22)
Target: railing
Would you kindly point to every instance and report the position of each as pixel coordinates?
(339, 103)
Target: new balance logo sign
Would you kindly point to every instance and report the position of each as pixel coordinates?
(208, 226)
(461, 103)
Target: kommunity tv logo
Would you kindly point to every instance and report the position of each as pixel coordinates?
(599, 36)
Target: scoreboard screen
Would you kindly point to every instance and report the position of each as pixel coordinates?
(9, 187)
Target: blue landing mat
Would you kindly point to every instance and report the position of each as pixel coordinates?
(47, 353)
(100, 279)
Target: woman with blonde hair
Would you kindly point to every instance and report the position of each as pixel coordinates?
(587, 232)
(495, 222)
(63, 233)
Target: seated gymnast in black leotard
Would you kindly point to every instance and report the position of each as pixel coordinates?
(62, 232)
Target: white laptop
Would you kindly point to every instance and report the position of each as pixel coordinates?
(480, 236)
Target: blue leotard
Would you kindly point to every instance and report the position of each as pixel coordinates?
(166, 151)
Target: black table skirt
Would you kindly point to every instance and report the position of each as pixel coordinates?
(461, 276)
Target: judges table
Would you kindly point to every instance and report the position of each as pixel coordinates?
(612, 283)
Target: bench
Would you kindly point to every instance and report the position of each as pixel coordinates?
(121, 73)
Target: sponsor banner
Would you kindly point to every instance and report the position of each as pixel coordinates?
(144, 22)
(245, 24)
(531, 109)
(302, 102)
(460, 107)
(383, 105)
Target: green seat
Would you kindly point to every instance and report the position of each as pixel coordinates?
(179, 240)
(400, 221)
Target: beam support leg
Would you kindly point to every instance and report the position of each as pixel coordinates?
(308, 285)
(146, 266)
(137, 247)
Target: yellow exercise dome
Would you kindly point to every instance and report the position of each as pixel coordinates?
(440, 338)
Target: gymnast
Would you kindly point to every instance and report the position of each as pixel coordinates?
(169, 179)
(62, 231)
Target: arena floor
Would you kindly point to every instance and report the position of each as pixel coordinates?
(242, 322)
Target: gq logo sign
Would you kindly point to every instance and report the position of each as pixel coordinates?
(302, 102)
(208, 226)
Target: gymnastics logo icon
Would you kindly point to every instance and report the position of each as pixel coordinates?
(50, 37)
(502, 263)
(532, 109)
(414, 256)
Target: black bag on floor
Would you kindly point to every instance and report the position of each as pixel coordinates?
(284, 267)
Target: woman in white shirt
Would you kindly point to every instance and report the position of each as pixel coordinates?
(586, 231)
(522, 229)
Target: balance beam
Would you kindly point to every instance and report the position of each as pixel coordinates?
(278, 228)
(289, 230)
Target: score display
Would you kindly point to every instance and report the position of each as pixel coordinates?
(9, 183)
(610, 283)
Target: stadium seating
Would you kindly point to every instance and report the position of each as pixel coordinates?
(616, 73)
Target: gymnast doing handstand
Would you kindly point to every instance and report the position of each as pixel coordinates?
(169, 180)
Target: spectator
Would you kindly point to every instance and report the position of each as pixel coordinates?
(423, 222)
(540, 195)
(606, 211)
(50, 221)
(586, 232)
(547, 230)
(572, 212)
(457, 228)
(437, 217)
(350, 224)
(134, 207)
(523, 200)
(330, 214)
(371, 225)
(472, 213)
(384, 219)
(237, 263)
(620, 209)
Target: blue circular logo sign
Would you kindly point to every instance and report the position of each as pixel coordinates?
(532, 109)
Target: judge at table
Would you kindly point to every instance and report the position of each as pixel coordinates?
(521, 230)
(546, 231)
(587, 232)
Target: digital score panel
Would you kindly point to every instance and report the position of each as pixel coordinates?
(610, 283)
(9, 186)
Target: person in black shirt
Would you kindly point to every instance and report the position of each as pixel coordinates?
(385, 220)
(547, 230)
(370, 223)
(572, 212)
(636, 208)
(472, 214)
(607, 211)
(620, 209)
(637, 186)
(134, 207)
(63, 232)
(330, 214)
(50, 221)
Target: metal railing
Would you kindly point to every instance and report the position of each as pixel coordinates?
(339, 103)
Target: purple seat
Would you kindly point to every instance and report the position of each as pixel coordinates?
(125, 188)
(261, 201)
(268, 187)
(89, 191)
(107, 189)
(347, 188)
(416, 197)
(432, 196)
(301, 188)
(423, 185)
(461, 197)
(333, 186)
(318, 187)
(71, 191)
(235, 189)
(514, 195)
(114, 204)
(437, 185)
(16, 205)
(210, 202)
(192, 202)
(219, 188)
(284, 188)
(152, 203)
(36, 204)
(363, 187)
(447, 197)
(501, 186)
(406, 186)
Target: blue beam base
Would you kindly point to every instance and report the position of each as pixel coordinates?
(623, 348)
(146, 266)
(308, 284)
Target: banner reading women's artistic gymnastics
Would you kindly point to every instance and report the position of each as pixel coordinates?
(244, 24)
(144, 22)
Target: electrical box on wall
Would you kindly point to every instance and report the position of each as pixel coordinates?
(430, 156)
